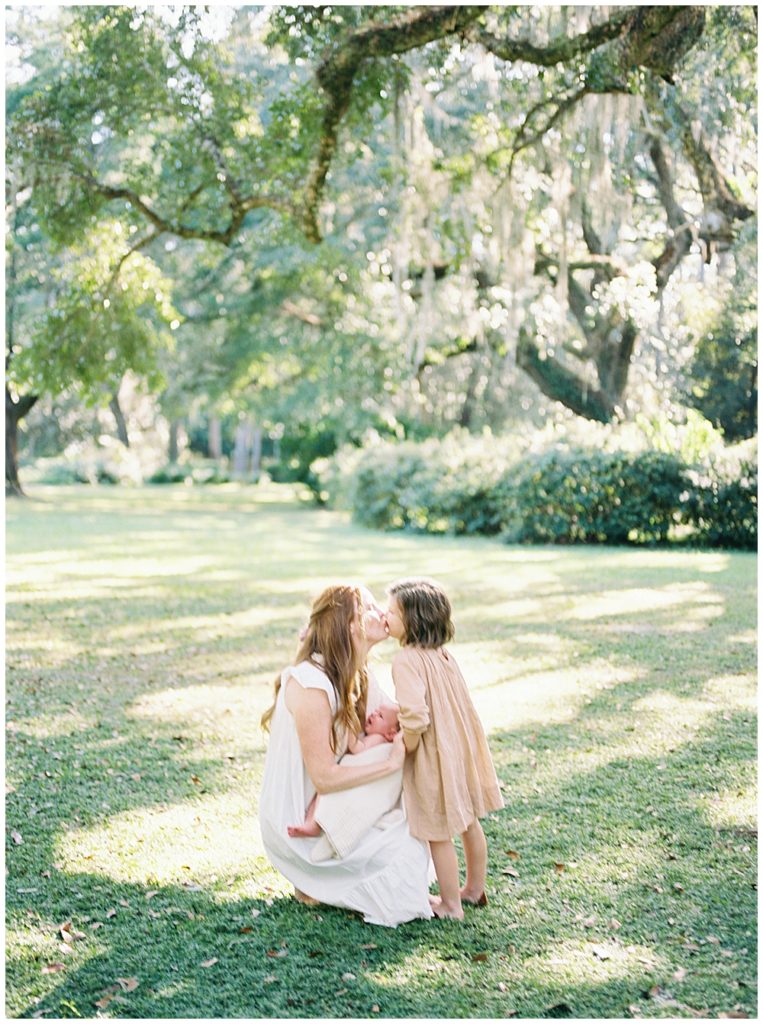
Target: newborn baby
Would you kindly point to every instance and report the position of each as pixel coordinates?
(381, 727)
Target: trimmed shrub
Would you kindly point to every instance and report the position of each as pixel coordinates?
(722, 503)
(575, 496)
(483, 484)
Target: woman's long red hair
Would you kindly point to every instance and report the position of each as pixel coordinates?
(328, 635)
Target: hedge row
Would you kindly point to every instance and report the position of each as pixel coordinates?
(560, 495)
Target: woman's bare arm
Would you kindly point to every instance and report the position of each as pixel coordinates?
(312, 717)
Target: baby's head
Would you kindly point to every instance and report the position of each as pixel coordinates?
(419, 613)
(383, 722)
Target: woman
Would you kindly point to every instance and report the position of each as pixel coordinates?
(319, 703)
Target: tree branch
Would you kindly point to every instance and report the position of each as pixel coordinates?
(558, 51)
(337, 71)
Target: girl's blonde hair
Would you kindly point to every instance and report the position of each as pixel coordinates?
(328, 634)
(425, 611)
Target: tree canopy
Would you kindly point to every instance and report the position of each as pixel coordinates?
(381, 214)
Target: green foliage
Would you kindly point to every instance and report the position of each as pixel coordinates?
(724, 375)
(723, 501)
(556, 494)
(599, 497)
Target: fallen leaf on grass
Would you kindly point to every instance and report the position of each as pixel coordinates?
(196, 780)
(614, 924)
(714, 939)
(245, 931)
(96, 925)
(151, 893)
(559, 867)
(209, 963)
(502, 987)
(513, 854)
(600, 953)
(375, 1009)
(511, 872)
(479, 957)
(53, 968)
(124, 903)
(111, 913)
(348, 976)
(269, 979)
(315, 952)
(255, 912)
(369, 945)
(16, 837)
(277, 954)
(678, 887)
(128, 984)
(589, 922)
(103, 1002)
(680, 974)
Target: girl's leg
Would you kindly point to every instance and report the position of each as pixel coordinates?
(446, 865)
(475, 854)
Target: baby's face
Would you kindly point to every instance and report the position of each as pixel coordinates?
(383, 721)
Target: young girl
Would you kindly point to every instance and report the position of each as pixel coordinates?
(449, 780)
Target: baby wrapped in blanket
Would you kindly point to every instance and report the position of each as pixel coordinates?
(342, 819)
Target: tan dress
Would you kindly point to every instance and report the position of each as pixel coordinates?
(449, 779)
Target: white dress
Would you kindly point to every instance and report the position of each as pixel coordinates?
(385, 877)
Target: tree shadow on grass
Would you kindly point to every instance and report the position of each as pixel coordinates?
(536, 938)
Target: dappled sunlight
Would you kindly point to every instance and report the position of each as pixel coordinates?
(746, 636)
(543, 698)
(734, 809)
(187, 842)
(591, 961)
(638, 599)
(228, 707)
(207, 627)
(51, 726)
(733, 690)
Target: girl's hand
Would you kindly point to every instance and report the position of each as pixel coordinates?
(397, 754)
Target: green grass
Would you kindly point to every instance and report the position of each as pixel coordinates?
(144, 628)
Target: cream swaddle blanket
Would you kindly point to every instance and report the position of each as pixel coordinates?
(346, 817)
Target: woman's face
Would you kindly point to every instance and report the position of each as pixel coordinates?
(374, 620)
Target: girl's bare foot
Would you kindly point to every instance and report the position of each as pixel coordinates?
(477, 899)
(302, 897)
(444, 911)
(304, 831)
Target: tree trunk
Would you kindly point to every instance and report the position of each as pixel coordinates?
(173, 449)
(15, 411)
(256, 453)
(116, 409)
(215, 441)
(242, 449)
(562, 384)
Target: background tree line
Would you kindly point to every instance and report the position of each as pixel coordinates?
(290, 225)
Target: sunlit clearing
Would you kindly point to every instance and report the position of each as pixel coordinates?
(545, 697)
(592, 962)
(627, 602)
(734, 808)
(227, 709)
(200, 839)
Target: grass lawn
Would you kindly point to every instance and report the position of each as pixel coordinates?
(617, 686)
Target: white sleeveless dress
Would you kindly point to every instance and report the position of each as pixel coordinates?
(385, 877)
